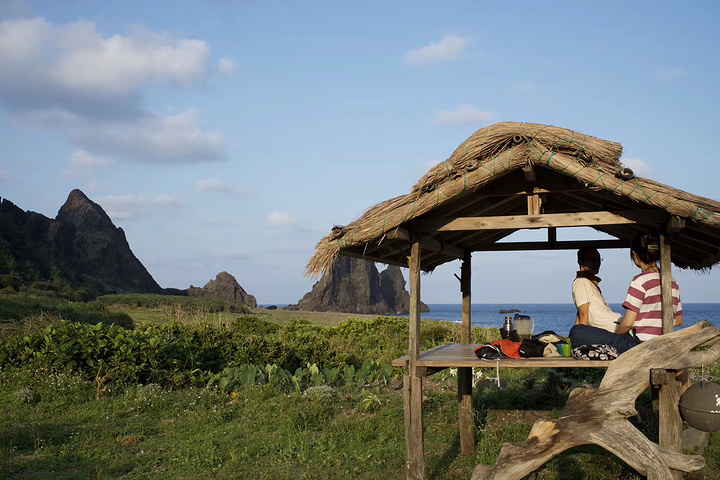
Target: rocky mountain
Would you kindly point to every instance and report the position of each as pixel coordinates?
(81, 246)
(224, 287)
(355, 286)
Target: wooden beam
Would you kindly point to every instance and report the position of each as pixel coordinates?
(427, 243)
(675, 224)
(552, 236)
(529, 172)
(563, 245)
(584, 219)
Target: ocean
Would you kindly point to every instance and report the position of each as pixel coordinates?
(558, 317)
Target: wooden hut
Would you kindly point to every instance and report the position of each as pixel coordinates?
(503, 178)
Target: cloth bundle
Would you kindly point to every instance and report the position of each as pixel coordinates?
(540, 345)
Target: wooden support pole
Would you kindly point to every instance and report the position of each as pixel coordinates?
(414, 441)
(414, 338)
(465, 405)
(668, 319)
(671, 424)
(465, 286)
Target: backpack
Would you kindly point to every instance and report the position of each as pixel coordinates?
(530, 347)
(489, 351)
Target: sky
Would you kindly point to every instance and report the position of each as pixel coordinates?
(231, 135)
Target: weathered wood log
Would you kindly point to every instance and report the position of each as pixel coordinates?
(600, 416)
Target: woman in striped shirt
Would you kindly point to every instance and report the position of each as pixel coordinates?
(643, 304)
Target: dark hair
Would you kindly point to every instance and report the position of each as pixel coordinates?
(583, 253)
(646, 247)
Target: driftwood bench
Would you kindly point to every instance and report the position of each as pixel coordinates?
(599, 415)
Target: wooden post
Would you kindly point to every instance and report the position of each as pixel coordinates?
(671, 424)
(668, 319)
(413, 393)
(465, 405)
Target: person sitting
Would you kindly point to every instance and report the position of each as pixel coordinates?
(592, 309)
(643, 303)
(595, 323)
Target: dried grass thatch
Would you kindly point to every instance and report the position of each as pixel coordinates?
(494, 151)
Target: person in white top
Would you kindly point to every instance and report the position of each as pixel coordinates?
(592, 309)
(595, 322)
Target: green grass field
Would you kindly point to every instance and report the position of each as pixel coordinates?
(75, 409)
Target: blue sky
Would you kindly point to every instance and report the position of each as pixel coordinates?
(232, 135)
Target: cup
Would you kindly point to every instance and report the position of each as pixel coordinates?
(566, 350)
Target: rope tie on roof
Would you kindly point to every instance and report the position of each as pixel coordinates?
(439, 190)
(447, 167)
(411, 209)
(550, 158)
(538, 132)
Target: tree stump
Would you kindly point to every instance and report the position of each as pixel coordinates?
(600, 415)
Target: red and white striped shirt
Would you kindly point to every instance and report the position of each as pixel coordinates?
(644, 298)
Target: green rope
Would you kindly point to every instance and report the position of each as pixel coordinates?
(538, 132)
(412, 208)
(550, 158)
(446, 166)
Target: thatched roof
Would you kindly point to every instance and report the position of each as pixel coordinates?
(495, 173)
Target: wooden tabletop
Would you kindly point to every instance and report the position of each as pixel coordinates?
(463, 355)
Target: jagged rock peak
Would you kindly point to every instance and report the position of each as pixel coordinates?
(83, 213)
(224, 287)
(354, 286)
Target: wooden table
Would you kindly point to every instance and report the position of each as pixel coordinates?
(454, 355)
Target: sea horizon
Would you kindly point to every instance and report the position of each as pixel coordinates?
(557, 317)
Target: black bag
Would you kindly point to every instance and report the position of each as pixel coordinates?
(489, 351)
(531, 348)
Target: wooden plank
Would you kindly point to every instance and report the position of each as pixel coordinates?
(583, 219)
(550, 245)
(456, 355)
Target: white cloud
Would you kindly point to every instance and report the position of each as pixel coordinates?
(669, 74)
(463, 115)
(227, 66)
(449, 48)
(83, 159)
(74, 57)
(150, 138)
(279, 219)
(216, 185)
(639, 167)
(90, 87)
